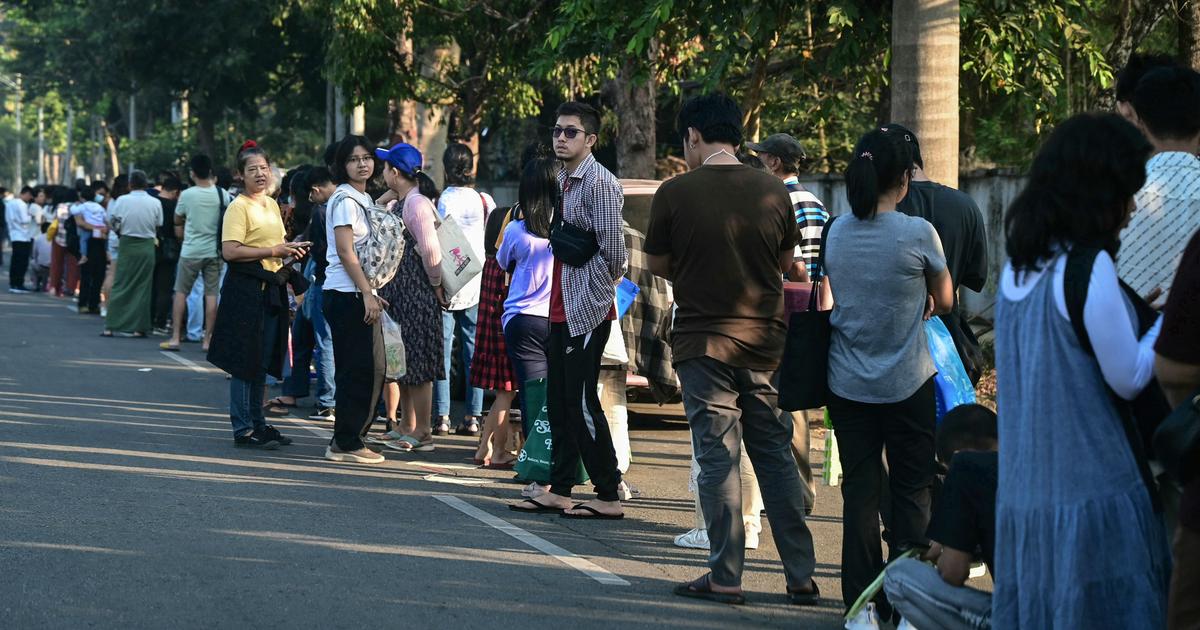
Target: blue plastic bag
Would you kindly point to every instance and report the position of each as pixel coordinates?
(627, 290)
(951, 384)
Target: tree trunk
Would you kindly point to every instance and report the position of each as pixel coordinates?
(1189, 33)
(633, 100)
(925, 39)
(402, 114)
(66, 176)
(1135, 20)
(113, 155)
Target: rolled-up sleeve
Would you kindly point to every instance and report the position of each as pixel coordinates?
(608, 201)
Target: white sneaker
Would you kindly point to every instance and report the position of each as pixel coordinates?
(363, 455)
(751, 539)
(694, 539)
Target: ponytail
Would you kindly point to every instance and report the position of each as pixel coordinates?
(882, 162)
(426, 187)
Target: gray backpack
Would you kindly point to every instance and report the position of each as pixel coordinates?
(383, 248)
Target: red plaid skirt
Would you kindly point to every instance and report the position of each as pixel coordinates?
(490, 367)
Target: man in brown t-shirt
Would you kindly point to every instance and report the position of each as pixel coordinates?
(724, 234)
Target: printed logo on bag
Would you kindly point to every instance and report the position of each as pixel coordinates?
(541, 426)
(460, 260)
(548, 444)
(523, 456)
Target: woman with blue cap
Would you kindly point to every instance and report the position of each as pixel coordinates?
(415, 299)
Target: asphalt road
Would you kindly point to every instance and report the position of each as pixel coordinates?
(123, 504)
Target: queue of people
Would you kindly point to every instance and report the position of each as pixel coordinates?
(1059, 492)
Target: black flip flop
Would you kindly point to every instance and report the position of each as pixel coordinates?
(595, 515)
(540, 508)
(702, 589)
(802, 598)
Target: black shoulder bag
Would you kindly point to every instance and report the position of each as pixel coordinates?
(1141, 416)
(804, 371)
(220, 220)
(570, 243)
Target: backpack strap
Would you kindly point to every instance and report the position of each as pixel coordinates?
(1077, 279)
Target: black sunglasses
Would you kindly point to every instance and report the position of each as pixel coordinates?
(570, 132)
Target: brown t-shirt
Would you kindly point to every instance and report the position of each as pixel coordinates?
(724, 227)
(1180, 341)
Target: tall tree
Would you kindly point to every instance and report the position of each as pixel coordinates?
(925, 49)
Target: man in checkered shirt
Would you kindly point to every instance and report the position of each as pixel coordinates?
(582, 310)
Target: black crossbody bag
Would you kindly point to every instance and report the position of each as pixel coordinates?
(570, 243)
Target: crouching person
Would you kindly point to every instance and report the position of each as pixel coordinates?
(963, 528)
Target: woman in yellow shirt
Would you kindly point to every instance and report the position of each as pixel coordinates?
(250, 335)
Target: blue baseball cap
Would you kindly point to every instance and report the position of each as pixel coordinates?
(402, 156)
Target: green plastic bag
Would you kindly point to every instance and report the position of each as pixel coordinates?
(533, 464)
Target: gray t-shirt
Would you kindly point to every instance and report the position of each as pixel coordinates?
(877, 270)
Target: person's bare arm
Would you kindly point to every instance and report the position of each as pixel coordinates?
(785, 261)
(1178, 380)
(659, 265)
(373, 305)
(954, 566)
(941, 291)
(799, 272)
(233, 251)
(179, 223)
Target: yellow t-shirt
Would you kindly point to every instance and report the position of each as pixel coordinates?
(254, 225)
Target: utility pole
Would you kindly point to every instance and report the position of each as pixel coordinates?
(17, 167)
(132, 117)
(67, 180)
(339, 111)
(41, 145)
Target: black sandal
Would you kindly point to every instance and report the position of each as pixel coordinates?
(701, 588)
(805, 598)
(538, 507)
(593, 514)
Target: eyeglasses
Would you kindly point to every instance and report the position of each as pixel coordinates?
(570, 132)
(361, 159)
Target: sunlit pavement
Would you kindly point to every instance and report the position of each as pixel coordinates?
(123, 503)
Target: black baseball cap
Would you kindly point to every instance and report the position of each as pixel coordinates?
(781, 145)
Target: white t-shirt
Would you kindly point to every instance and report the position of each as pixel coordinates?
(343, 210)
(93, 214)
(469, 208)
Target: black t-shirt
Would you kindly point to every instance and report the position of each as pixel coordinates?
(316, 234)
(965, 517)
(960, 226)
(1180, 341)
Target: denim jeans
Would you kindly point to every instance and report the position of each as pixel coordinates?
(246, 397)
(195, 312)
(730, 408)
(311, 338)
(922, 597)
(463, 323)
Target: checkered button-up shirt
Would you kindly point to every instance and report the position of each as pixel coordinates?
(592, 200)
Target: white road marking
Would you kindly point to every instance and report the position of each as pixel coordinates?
(459, 481)
(195, 367)
(586, 567)
(310, 427)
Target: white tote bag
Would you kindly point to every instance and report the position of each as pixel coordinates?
(460, 262)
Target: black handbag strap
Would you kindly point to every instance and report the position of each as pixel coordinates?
(1076, 280)
(813, 298)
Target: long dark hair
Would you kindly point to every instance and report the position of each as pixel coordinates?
(425, 185)
(882, 161)
(459, 163)
(539, 195)
(301, 206)
(1079, 189)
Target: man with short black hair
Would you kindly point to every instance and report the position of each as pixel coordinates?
(959, 224)
(724, 234)
(21, 230)
(582, 312)
(1129, 77)
(197, 215)
(1166, 107)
